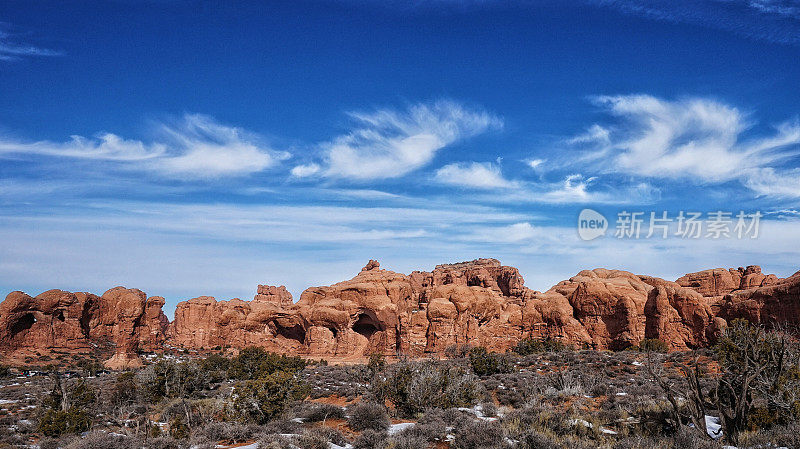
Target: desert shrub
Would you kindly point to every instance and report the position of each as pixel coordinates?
(407, 440)
(653, 345)
(479, 435)
(54, 423)
(215, 432)
(762, 418)
(161, 443)
(319, 437)
(486, 363)
(488, 409)
(125, 389)
(370, 439)
(48, 443)
(528, 346)
(178, 428)
(79, 395)
(430, 426)
(169, 379)
(91, 367)
(535, 439)
(377, 362)
(757, 382)
(255, 362)
(536, 417)
(415, 387)
(216, 366)
(778, 436)
(196, 412)
(264, 398)
(312, 440)
(9, 439)
(368, 415)
(312, 412)
(273, 441)
(280, 426)
(686, 438)
(457, 351)
(567, 381)
(98, 440)
(639, 442)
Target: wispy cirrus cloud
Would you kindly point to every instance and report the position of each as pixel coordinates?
(770, 20)
(775, 21)
(12, 49)
(478, 175)
(390, 143)
(194, 147)
(696, 139)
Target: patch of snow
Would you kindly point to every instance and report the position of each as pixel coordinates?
(622, 393)
(713, 426)
(636, 363)
(336, 446)
(395, 428)
(585, 423)
(478, 412)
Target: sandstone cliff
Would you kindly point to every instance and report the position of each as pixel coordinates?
(473, 303)
(57, 321)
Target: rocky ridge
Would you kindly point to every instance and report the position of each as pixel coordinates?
(472, 303)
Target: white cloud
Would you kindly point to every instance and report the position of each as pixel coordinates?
(12, 51)
(107, 147)
(535, 164)
(578, 189)
(475, 175)
(697, 139)
(572, 190)
(302, 171)
(390, 143)
(770, 20)
(513, 233)
(195, 147)
(770, 182)
(595, 134)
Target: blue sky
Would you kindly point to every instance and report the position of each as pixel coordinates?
(190, 148)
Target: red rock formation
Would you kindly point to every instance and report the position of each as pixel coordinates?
(57, 321)
(721, 281)
(773, 303)
(52, 320)
(473, 303)
(204, 323)
(276, 295)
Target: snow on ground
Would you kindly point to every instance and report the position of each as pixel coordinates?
(585, 423)
(713, 426)
(395, 428)
(478, 412)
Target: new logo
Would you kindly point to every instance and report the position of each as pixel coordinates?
(591, 224)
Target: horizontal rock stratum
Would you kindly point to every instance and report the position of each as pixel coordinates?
(480, 303)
